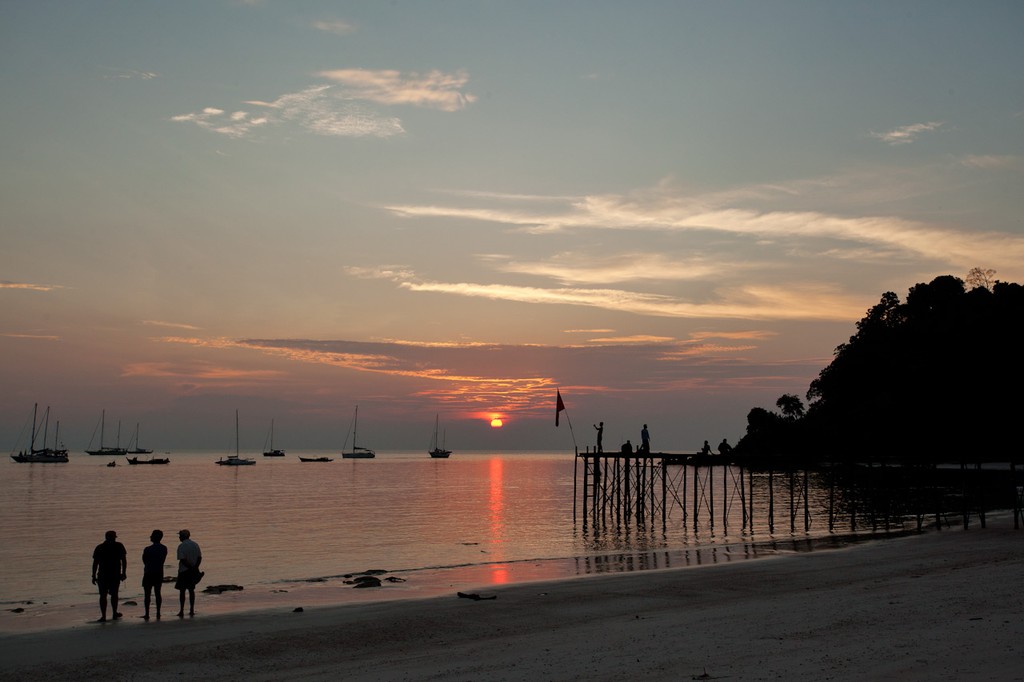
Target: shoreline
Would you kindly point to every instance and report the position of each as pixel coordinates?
(934, 605)
(420, 583)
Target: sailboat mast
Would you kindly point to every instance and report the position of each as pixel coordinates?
(46, 425)
(103, 425)
(32, 445)
(355, 425)
(236, 434)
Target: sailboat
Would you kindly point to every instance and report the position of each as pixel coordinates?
(271, 451)
(437, 451)
(135, 439)
(356, 452)
(43, 455)
(105, 450)
(142, 451)
(234, 460)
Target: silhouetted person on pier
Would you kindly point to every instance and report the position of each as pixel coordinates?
(153, 558)
(645, 440)
(189, 558)
(627, 447)
(600, 435)
(706, 450)
(109, 567)
(724, 448)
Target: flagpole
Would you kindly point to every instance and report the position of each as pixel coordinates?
(560, 407)
(574, 447)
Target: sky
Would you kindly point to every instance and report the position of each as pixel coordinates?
(669, 212)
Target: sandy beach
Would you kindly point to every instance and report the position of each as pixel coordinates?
(940, 605)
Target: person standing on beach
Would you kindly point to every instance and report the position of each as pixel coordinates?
(645, 440)
(189, 558)
(153, 558)
(109, 568)
(600, 435)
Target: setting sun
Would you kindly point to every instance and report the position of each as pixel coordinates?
(496, 423)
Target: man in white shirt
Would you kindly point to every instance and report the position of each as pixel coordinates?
(189, 558)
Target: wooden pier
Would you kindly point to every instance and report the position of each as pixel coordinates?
(723, 495)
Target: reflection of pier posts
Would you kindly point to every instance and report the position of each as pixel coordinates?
(625, 490)
(831, 498)
(743, 502)
(1018, 497)
(792, 502)
(750, 500)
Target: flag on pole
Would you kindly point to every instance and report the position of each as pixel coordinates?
(559, 405)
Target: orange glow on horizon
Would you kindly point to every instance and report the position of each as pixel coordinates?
(496, 423)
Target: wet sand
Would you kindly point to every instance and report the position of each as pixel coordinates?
(941, 605)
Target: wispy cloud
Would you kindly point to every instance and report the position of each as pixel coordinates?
(320, 110)
(132, 74)
(480, 377)
(28, 286)
(990, 161)
(571, 268)
(337, 27)
(235, 124)
(907, 134)
(33, 337)
(198, 372)
(172, 325)
(632, 339)
(663, 210)
(792, 302)
(749, 335)
(434, 89)
(337, 110)
(325, 110)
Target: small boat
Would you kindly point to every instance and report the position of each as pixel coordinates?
(436, 451)
(151, 460)
(104, 449)
(235, 460)
(44, 455)
(316, 459)
(135, 441)
(112, 463)
(356, 452)
(271, 451)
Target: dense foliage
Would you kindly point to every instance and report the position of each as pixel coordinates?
(933, 379)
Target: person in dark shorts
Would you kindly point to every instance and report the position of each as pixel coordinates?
(189, 558)
(109, 568)
(153, 558)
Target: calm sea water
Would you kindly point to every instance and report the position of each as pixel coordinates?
(289, 531)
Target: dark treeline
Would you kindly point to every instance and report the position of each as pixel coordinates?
(935, 379)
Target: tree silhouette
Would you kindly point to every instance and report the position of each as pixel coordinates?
(980, 278)
(791, 406)
(932, 379)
